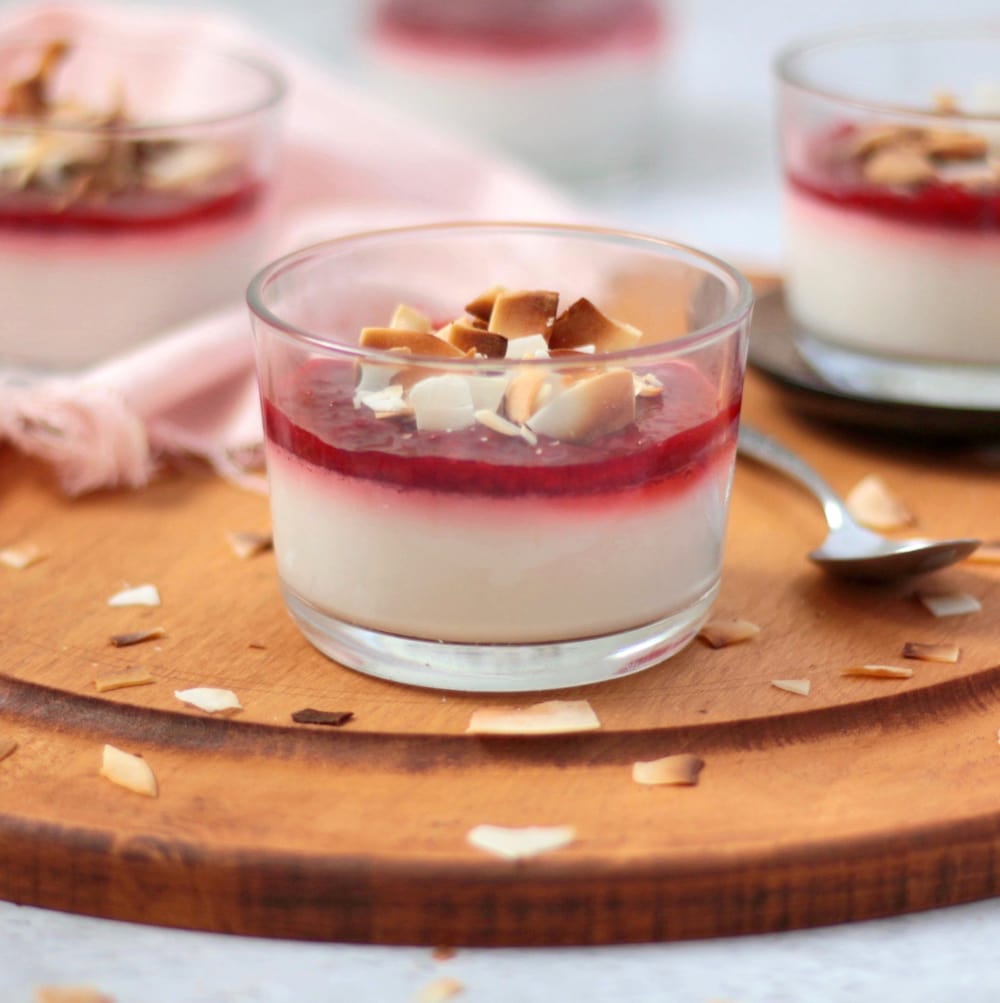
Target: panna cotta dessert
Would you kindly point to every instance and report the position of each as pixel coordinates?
(491, 484)
(892, 202)
(570, 86)
(134, 192)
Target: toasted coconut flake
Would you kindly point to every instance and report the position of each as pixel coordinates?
(583, 324)
(408, 318)
(482, 306)
(7, 746)
(136, 637)
(680, 770)
(522, 394)
(900, 165)
(801, 687)
(439, 990)
(876, 137)
(987, 552)
(23, 556)
(878, 671)
(133, 676)
(954, 144)
(553, 717)
(724, 632)
(128, 771)
(140, 595)
(950, 603)
(523, 312)
(518, 843)
(333, 718)
(598, 405)
(468, 338)
(443, 952)
(931, 652)
(497, 423)
(873, 504)
(209, 699)
(416, 342)
(71, 994)
(246, 543)
(647, 385)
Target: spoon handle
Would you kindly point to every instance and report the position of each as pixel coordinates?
(762, 448)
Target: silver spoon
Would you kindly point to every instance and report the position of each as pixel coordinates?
(849, 550)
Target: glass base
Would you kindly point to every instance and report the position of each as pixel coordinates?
(499, 668)
(898, 380)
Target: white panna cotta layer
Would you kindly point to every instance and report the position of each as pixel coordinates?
(472, 569)
(895, 289)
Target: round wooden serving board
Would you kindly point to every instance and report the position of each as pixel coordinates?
(865, 798)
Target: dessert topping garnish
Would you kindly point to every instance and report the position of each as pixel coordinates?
(949, 603)
(873, 504)
(71, 994)
(209, 699)
(136, 637)
(577, 404)
(680, 770)
(553, 717)
(7, 746)
(878, 671)
(333, 718)
(140, 595)
(931, 652)
(722, 633)
(67, 152)
(801, 687)
(23, 556)
(518, 843)
(133, 676)
(986, 553)
(439, 990)
(247, 543)
(128, 771)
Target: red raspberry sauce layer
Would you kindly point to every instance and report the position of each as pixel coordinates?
(676, 437)
(831, 178)
(125, 213)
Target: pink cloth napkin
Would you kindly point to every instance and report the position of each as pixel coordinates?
(193, 391)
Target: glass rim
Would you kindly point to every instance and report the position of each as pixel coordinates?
(275, 90)
(789, 71)
(736, 314)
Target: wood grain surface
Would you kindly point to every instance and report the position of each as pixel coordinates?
(867, 797)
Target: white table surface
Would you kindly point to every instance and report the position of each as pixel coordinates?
(717, 188)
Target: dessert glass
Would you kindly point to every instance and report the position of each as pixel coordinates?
(890, 147)
(482, 549)
(134, 191)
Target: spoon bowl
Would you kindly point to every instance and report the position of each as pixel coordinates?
(850, 550)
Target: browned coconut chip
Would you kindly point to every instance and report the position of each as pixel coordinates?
(680, 770)
(523, 312)
(334, 718)
(873, 504)
(246, 544)
(136, 637)
(23, 556)
(522, 394)
(7, 746)
(443, 953)
(722, 633)
(482, 306)
(931, 652)
(878, 671)
(128, 771)
(133, 676)
(440, 989)
(71, 994)
(519, 843)
(468, 338)
(987, 552)
(949, 603)
(417, 342)
(801, 687)
(898, 166)
(553, 717)
(583, 324)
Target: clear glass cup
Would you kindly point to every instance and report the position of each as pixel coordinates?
(485, 522)
(890, 139)
(135, 191)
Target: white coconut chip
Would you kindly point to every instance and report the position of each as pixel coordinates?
(209, 699)
(878, 671)
(246, 544)
(22, 557)
(680, 770)
(931, 652)
(553, 717)
(722, 633)
(497, 423)
(798, 686)
(873, 504)
(128, 771)
(950, 603)
(440, 989)
(516, 844)
(140, 595)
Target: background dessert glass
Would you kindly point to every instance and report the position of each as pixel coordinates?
(510, 554)
(890, 140)
(134, 191)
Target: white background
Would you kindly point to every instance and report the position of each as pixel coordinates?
(716, 187)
